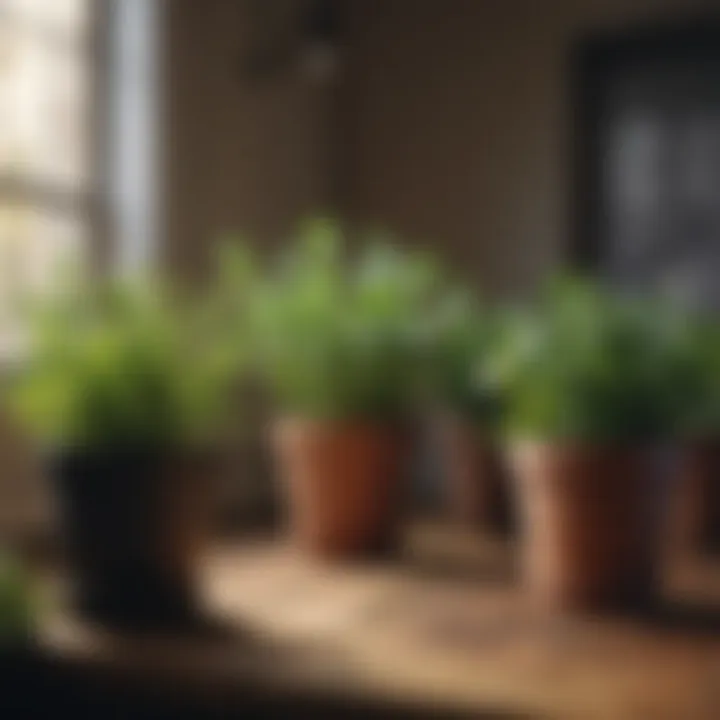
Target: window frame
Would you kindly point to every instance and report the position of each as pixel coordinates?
(90, 203)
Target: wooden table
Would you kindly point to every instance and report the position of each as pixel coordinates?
(441, 631)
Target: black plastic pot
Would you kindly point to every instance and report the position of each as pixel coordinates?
(133, 522)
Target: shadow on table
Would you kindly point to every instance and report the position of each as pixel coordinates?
(695, 619)
(213, 669)
(44, 690)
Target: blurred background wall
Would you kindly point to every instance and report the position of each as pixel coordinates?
(450, 122)
(243, 153)
(456, 123)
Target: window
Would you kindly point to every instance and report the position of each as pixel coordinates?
(650, 160)
(45, 143)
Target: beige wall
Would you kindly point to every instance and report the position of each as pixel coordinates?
(455, 120)
(243, 153)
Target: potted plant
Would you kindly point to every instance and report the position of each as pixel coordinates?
(338, 346)
(476, 488)
(592, 396)
(126, 387)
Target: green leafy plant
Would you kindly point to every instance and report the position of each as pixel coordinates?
(334, 337)
(463, 335)
(590, 364)
(124, 362)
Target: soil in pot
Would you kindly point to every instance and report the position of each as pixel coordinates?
(594, 519)
(476, 488)
(134, 523)
(343, 484)
(698, 513)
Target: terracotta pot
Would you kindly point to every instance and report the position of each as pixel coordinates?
(699, 497)
(342, 482)
(477, 491)
(594, 518)
(135, 523)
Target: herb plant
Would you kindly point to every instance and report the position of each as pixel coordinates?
(589, 364)
(462, 345)
(339, 337)
(124, 363)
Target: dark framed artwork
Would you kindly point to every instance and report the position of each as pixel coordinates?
(646, 195)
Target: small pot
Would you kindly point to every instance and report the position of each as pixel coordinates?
(594, 518)
(342, 482)
(477, 492)
(134, 522)
(699, 492)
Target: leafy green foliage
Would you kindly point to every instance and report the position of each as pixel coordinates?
(335, 338)
(589, 364)
(125, 362)
(463, 336)
(17, 606)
